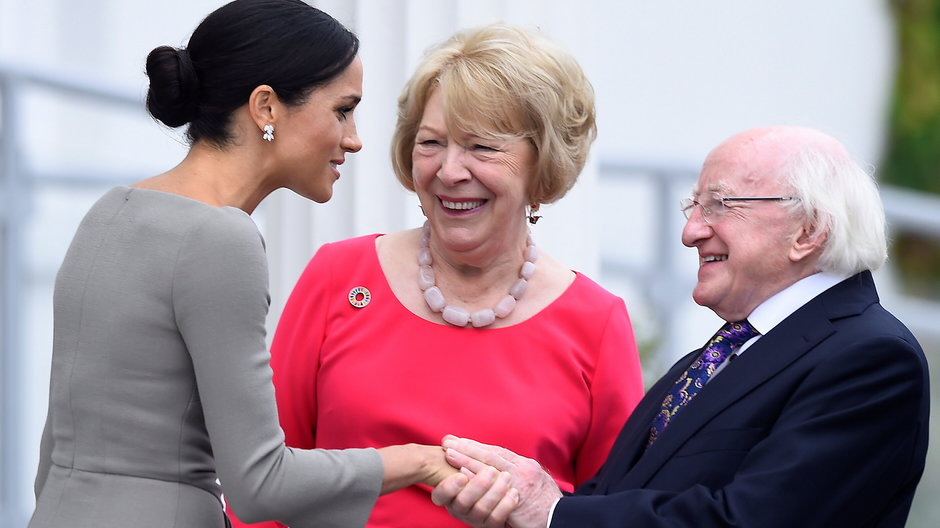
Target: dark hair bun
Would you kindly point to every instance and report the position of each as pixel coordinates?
(172, 94)
(288, 45)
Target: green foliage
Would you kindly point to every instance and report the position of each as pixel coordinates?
(912, 156)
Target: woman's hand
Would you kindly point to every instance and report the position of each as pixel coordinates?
(436, 465)
(413, 464)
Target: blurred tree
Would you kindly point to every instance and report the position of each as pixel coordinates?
(912, 156)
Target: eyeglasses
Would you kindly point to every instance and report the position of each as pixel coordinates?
(714, 207)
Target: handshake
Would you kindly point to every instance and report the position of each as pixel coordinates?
(494, 487)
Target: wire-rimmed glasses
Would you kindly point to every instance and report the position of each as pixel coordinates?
(714, 206)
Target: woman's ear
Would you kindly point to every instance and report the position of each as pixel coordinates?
(263, 106)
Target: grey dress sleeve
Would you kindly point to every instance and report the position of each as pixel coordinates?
(45, 456)
(220, 298)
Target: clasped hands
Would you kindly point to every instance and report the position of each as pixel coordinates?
(495, 488)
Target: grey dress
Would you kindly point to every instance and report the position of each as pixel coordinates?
(160, 382)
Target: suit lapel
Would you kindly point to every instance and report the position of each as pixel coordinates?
(631, 443)
(774, 352)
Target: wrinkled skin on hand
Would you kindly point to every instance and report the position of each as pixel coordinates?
(495, 488)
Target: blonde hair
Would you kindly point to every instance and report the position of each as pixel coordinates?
(502, 81)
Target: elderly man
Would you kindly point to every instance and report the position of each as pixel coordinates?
(820, 420)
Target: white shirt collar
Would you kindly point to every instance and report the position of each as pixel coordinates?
(779, 306)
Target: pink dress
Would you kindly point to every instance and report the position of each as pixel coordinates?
(557, 387)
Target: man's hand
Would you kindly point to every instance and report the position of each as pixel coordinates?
(483, 500)
(496, 487)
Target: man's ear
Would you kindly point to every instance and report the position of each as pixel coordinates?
(264, 106)
(810, 239)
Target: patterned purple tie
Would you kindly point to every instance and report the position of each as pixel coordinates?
(723, 344)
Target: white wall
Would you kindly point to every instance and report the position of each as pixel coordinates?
(680, 76)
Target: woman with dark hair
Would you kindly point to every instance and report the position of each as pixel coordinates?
(160, 386)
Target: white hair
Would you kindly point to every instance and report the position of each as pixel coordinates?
(843, 201)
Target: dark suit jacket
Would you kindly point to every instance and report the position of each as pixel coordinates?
(822, 422)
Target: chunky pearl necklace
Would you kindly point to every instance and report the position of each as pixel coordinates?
(457, 315)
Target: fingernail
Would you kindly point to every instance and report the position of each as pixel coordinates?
(514, 495)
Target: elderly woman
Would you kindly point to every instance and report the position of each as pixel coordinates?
(462, 326)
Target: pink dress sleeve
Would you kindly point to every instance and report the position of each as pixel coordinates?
(616, 388)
